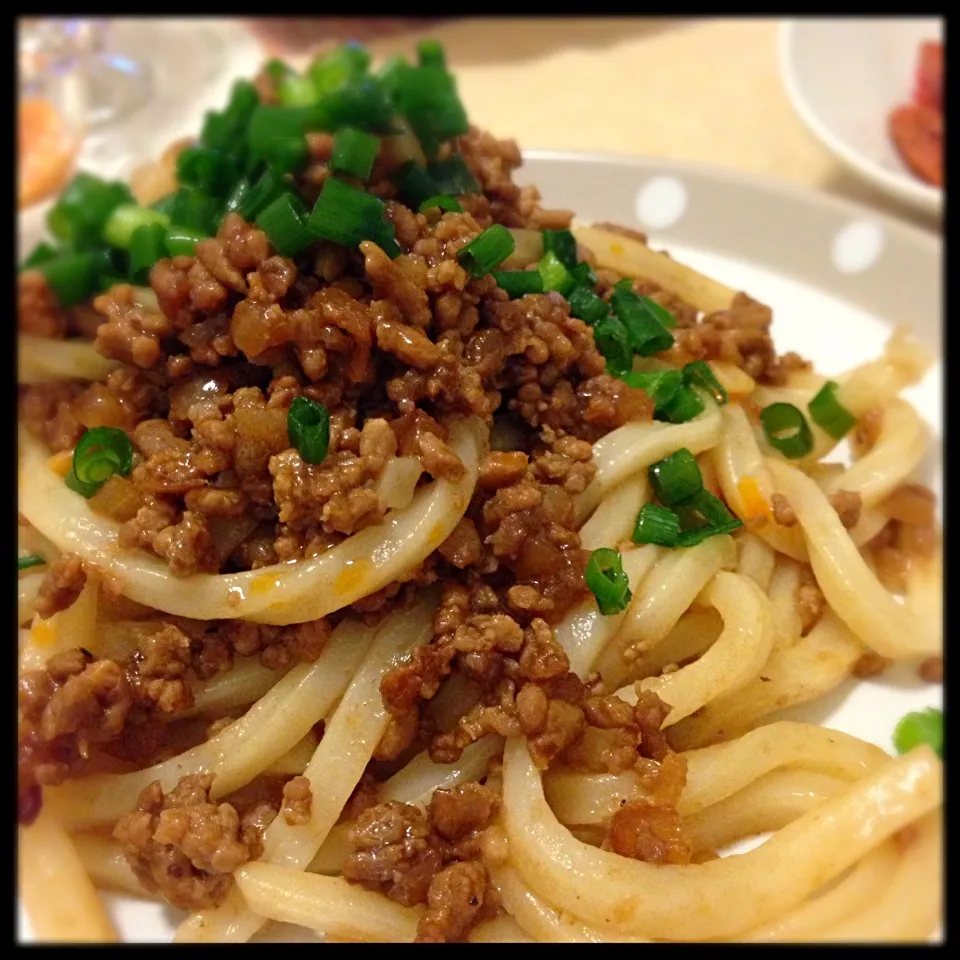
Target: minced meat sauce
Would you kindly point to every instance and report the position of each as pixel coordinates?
(394, 348)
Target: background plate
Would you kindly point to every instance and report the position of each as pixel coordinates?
(838, 277)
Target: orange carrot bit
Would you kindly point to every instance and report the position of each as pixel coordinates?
(755, 504)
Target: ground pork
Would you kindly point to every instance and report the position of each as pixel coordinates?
(62, 584)
(38, 312)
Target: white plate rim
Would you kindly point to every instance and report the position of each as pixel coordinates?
(901, 186)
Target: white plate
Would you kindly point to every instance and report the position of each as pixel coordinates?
(838, 277)
(843, 77)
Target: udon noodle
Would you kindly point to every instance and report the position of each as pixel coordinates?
(581, 838)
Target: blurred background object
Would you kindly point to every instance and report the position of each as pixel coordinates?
(293, 35)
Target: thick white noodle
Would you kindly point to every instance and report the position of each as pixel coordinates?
(282, 593)
(40, 359)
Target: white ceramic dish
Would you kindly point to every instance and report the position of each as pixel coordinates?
(843, 77)
(838, 277)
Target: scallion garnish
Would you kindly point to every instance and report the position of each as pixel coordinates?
(427, 97)
(656, 524)
(586, 305)
(430, 54)
(208, 170)
(361, 102)
(555, 275)
(613, 341)
(262, 193)
(41, 253)
(120, 226)
(517, 283)
(235, 197)
(74, 277)
(78, 216)
(661, 386)
(607, 581)
(699, 372)
(31, 560)
(182, 241)
(703, 515)
(675, 478)
(99, 454)
(923, 726)
(331, 71)
(453, 176)
(349, 216)
(829, 414)
(308, 426)
(147, 246)
(486, 251)
(684, 405)
(443, 201)
(642, 318)
(787, 430)
(583, 273)
(225, 130)
(563, 244)
(414, 185)
(285, 223)
(354, 152)
(294, 90)
(195, 209)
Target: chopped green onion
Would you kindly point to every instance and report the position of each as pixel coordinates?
(430, 54)
(331, 71)
(389, 75)
(240, 189)
(361, 103)
(829, 414)
(699, 372)
(443, 201)
(561, 243)
(675, 478)
(270, 186)
(656, 524)
(684, 405)
(75, 277)
(349, 216)
(196, 210)
(276, 136)
(488, 250)
(923, 726)
(182, 241)
(294, 90)
(703, 516)
(164, 204)
(613, 341)
(555, 275)
(414, 185)
(285, 223)
(354, 152)
(147, 246)
(787, 430)
(41, 253)
(225, 130)
(453, 176)
(208, 170)
(78, 216)
(583, 273)
(31, 560)
(661, 386)
(277, 69)
(587, 306)
(648, 334)
(427, 97)
(119, 229)
(99, 454)
(308, 425)
(517, 283)
(607, 581)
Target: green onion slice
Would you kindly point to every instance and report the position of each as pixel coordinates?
(443, 201)
(787, 430)
(453, 176)
(584, 274)
(607, 581)
(675, 478)
(430, 53)
(126, 219)
(414, 185)
(563, 245)
(147, 246)
(517, 283)
(829, 414)
(923, 726)
(703, 516)
(656, 524)
(31, 560)
(285, 223)
(427, 97)
(208, 170)
(613, 341)
(354, 152)
(78, 216)
(261, 194)
(587, 306)
(684, 405)
(661, 386)
(41, 253)
(486, 251)
(699, 373)
(642, 318)
(75, 277)
(331, 71)
(99, 454)
(182, 241)
(308, 426)
(349, 216)
(555, 275)
(294, 90)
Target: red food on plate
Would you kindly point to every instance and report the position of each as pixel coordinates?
(917, 128)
